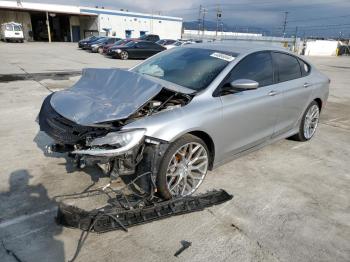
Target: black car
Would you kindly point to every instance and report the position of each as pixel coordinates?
(152, 38)
(135, 49)
(98, 46)
(85, 44)
(82, 42)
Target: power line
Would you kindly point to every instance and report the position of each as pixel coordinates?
(320, 18)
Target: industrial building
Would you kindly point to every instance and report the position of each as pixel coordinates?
(72, 23)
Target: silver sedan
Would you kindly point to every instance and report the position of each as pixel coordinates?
(186, 111)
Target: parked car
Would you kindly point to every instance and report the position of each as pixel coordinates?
(98, 46)
(87, 44)
(82, 42)
(118, 43)
(179, 43)
(185, 111)
(165, 42)
(135, 49)
(152, 38)
(11, 32)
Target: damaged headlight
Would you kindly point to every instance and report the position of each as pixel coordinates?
(122, 141)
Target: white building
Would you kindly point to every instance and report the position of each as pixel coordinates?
(71, 23)
(321, 48)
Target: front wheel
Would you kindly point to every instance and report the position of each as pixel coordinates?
(308, 123)
(124, 55)
(183, 168)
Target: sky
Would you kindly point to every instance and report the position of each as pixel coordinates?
(312, 17)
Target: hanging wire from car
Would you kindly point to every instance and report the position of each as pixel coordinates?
(103, 190)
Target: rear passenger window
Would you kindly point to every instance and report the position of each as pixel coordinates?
(304, 67)
(257, 67)
(287, 67)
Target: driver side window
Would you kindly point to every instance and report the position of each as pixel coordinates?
(257, 67)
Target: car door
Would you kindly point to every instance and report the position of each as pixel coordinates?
(249, 116)
(137, 50)
(295, 87)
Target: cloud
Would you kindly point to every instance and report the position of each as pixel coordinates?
(262, 13)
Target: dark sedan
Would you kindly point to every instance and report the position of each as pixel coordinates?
(135, 49)
(87, 44)
(98, 46)
(87, 40)
(118, 43)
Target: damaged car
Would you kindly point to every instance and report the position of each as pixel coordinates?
(185, 111)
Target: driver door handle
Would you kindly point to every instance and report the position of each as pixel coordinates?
(272, 93)
(307, 85)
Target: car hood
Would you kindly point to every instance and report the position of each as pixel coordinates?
(104, 95)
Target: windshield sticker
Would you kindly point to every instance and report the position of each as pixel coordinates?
(223, 56)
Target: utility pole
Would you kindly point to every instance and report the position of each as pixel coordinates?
(285, 23)
(199, 18)
(295, 38)
(204, 12)
(218, 19)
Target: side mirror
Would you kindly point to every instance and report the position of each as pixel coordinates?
(244, 84)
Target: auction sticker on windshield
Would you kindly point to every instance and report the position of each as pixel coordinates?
(223, 56)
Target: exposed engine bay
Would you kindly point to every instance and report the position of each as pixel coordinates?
(105, 144)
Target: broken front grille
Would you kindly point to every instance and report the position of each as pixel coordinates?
(63, 130)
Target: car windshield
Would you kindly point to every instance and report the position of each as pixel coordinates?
(17, 28)
(193, 68)
(119, 42)
(130, 44)
(9, 28)
(101, 40)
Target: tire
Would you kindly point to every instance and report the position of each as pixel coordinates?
(187, 179)
(124, 55)
(306, 133)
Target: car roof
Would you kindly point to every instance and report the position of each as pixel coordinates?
(236, 47)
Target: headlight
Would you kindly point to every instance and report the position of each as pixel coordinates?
(94, 46)
(118, 51)
(122, 141)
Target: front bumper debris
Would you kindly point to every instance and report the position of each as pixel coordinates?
(118, 217)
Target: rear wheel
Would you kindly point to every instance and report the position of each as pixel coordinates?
(183, 168)
(308, 123)
(124, 55)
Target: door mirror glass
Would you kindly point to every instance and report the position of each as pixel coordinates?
(244, 84)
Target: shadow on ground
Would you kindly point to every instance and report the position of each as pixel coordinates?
(29, 225)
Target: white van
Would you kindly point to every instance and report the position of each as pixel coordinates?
(11, 32)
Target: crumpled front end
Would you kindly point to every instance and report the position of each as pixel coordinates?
(114, 151)
(88, 120)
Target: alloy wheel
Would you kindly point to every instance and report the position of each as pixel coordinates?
(124, 55)
(311, 121)
(187, 169)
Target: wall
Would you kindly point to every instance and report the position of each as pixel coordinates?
(321, 48)
(18, 17)
(88, 23)
(118, 24)
(120, 21)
